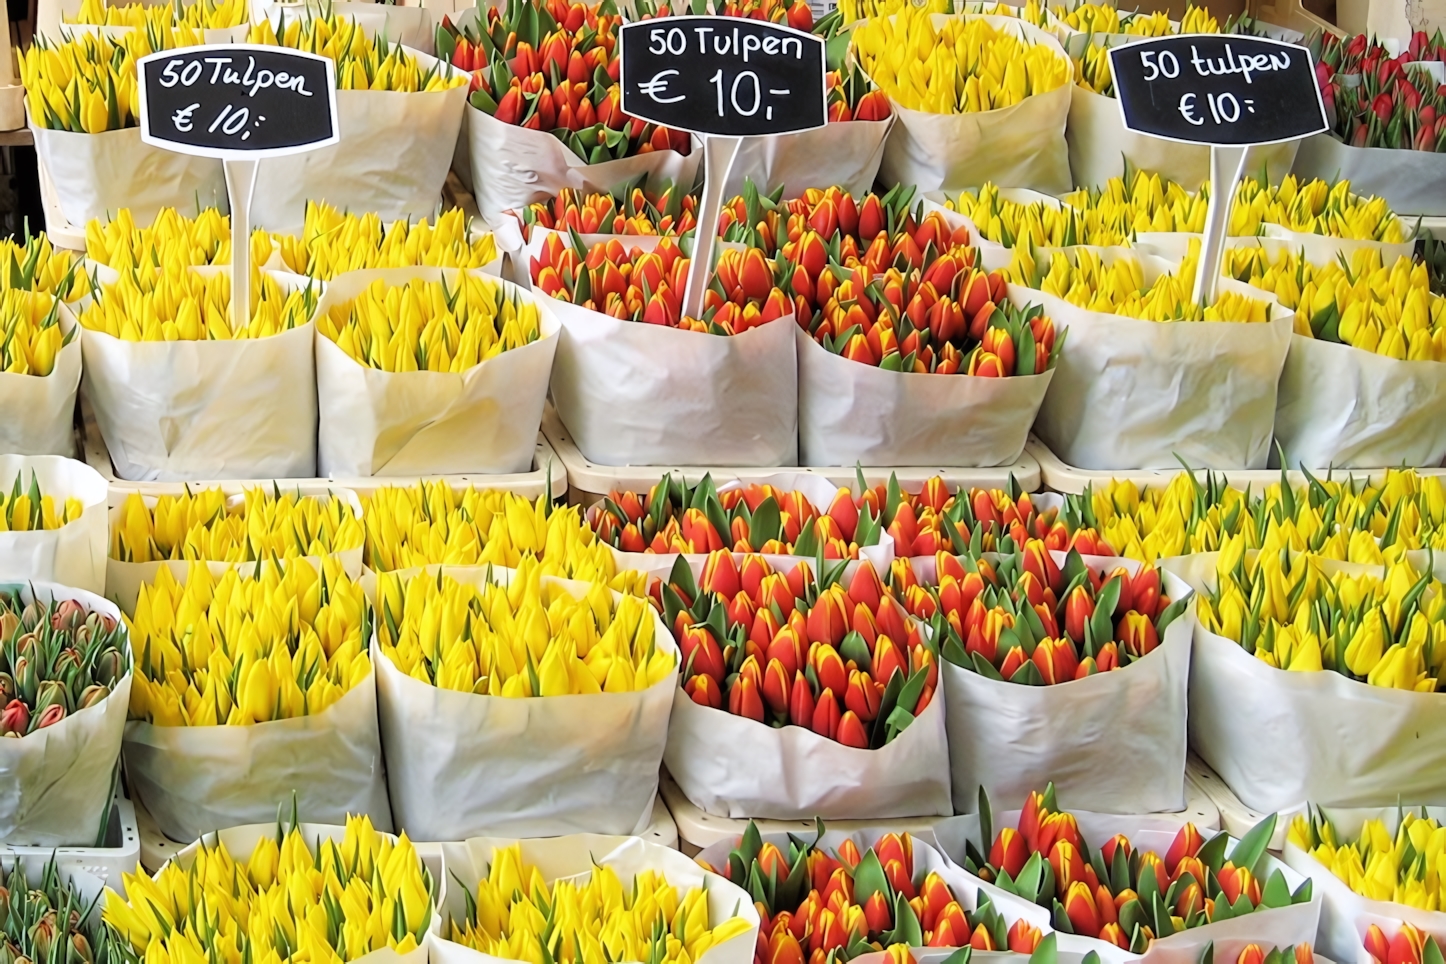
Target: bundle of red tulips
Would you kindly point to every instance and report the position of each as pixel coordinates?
(818, 908)
(676, 517)
(1410, 946)
(800, 650)
(629, 210)
(1374, 100)
(1124, 896)
(553, 67)
(1026, 620)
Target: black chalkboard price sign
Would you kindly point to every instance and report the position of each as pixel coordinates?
(723, 76)
(239, 101)
(1218, 89)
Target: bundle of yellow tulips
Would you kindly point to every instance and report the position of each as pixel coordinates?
(202, 526)
(36, 266)
(332, 242)
(431, 523)
(1358, 302)
(29, 509)
(531, 638)
(1092, 70)
(1281, 606)
(247, 647)
(87, 84)
(431, 326)
(200, 14)
(172, 239)
(589, 921)
(1409, 868)
(361, 63)
(1032, 12)
(1102, 18)
(1082, 278)
(175, 303)
(964, 66)
(30, 335)
(322, 903)
(1043, 225)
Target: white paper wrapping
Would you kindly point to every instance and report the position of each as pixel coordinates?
(483, 420)
(40, 411)
(1131, 394)
(735, 767)
(123, 580)
(1318, 249)
(846, 154)
(817, 489)
(572, 856)
(195, 779)
(95, 175)
(1020, 146)
(1343, 407)
(393, 157)
(637, 394)
(1278, 926)
(850, 413)
(56, 783)
(1099, 146)
(511, 167)
(1342, 909)
(74, 554)
(1412, 182)
(174, 411)
(462, 764)
(1111, 742)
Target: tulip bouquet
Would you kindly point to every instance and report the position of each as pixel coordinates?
(1097, 18)
(31, 332)
(35, 265)
(332, 243)
(171, 239)
(206, 525)
(1410, 945)
(64, 653)
(345, 894)
(830, 663)
(176, 303)
(27, 509)
(361, 63)
(198, 15)
(1375, 101)
(460, 760)
(87, 84)
(593, 917)
(1037, 222)
(431, 523)
(46, 916)
(630, 209)
(1030, 621)
(268, 661)
(1127, 896)
(674, 517)
(817, 904)
(610, 279)
(1381, 866)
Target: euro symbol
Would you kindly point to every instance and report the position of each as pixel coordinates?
(182, 118)
(1187, 109)
(659, 85)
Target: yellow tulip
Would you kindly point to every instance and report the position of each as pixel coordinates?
(332, 242)
(200, 525)
(175, 303)
(361, 63)
(30, 335)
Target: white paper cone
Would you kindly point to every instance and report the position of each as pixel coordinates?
(1112, 742)
(95, 175)
(850, 413)
(483, 420)
(462, 764)
(1412, 182)
(393, 157)
(847, 155)
(512, 167)
(1099, 146)
(194, 779)
(575, 855)
(56, 783)
(74, 554)
(173, 411)
(40, 411)
(1131, 394)
(638, 394)
(1020, 146)
(1346, 408)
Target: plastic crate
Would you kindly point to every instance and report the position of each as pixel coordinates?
(1061, 477)
(527, 484)
(588, 481)
(697, 829)
(120, 855)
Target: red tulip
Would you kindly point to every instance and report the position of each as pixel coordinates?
(826, 715)
(743, 699)
(704, 691)
(851, 731)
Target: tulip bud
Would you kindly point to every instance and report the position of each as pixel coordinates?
(7, 687)
(51, 692)
(828, 666)
(51, 715)
(704, 691)
(720, 575)
(743, 699)
(1080, 907)
(851, 731)
(981, 939)
(1187, 843)
(1078, 609)
(92, 695)
(15, 718)
(801, 702)
(1010, 851)
(777, 687)
(1252, 954)
(1024, 937)
(826, 715)
(862, 697)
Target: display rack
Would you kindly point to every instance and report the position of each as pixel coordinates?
(121, 855)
